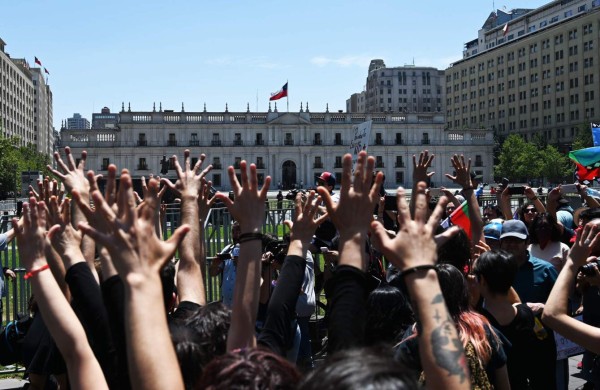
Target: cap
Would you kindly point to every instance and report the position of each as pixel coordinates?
(492, 230)
(328, 178)
(514, 228)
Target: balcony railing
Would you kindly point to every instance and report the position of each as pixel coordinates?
(171, 143)
(478, 163)
(215, 143)
(337, 165)
(238, 142)
(378, 141)
(425, 141)
(288, 142)
(142, 142)
(399, 165)
(259, 142)
(194, 143)
(318, 165)
(260, 165)
(379, 164)
(317, 142)
(337, 142)
(399, 142)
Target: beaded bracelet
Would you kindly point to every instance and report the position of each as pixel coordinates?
(418, 268)
(250, 237)
(36, 271)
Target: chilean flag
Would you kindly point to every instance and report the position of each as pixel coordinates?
(38, 61)
(280, 94)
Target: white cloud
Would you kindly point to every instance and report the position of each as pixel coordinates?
(345, 61)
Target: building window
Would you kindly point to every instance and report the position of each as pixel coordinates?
(338, 138)
(318, 163)
(237, 139)
(260, 163)
(142, 139)
(399, 177)
(172, 140)
(171, 163)
(317, 139)
(398, 138)
(142, 165)
(216, 140)
(194, 140)
(216, 179)
(379, 162)
(259, 139)
(105, 164)
(378, 139)
(399, 162)
(288, 139)
(478, 160)
(425, 139)
(216, 164)
(338, 162)
(236, 162)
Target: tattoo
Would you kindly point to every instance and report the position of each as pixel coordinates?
(438, 299)
(448, 350)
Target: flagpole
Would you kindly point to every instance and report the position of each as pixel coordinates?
(287, 96)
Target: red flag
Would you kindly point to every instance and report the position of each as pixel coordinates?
(46, 70)
(280, 94)
(505, 29)
(460, 218)
(38, 61)
(588, 174)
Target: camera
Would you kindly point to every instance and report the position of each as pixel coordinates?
(588, 269)
(291, 195)
(279, 250)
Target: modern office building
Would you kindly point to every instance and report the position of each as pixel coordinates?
(25, 103)
(105, 119)
(77, 122)
(531, 72)
(293, 148)
(405, 89)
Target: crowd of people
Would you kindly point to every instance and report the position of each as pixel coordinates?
(456, 309)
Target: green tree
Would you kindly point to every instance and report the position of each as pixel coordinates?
(519, 161)
(15, 159)
(583, 139)
(556, 166)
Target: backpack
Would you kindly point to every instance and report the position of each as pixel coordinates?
(11, 338)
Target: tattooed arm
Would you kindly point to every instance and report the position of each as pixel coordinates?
(442, 356)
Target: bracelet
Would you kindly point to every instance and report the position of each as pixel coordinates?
(36, 271)
(418, 268)
(250, 237)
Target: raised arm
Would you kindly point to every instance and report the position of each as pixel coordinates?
(138, 254)
(83, 368)
(463, 178)
(249, 210)
(555, 312)
(190, 281)
(413, 251)
(420, 173)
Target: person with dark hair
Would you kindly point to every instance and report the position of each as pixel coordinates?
(529, 360)
(483, 345)
(455, 251)
(491, 211)
(388, 316)
(527, 211)
(250, 369)
(545, 244)
(361, 368)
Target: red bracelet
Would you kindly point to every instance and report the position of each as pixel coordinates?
(35, 271)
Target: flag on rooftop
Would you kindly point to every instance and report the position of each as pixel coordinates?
(46, 70)
(505, 29)
(283, 92)
(595, 133)
(38, 61)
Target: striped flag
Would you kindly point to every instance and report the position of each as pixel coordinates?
(588, 164)
(283, 92)
(38, 61)
(460, 218)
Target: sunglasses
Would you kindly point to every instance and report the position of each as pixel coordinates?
(530, 211)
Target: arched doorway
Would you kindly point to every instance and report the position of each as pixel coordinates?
(288, 175)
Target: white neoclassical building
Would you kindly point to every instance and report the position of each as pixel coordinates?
(292, 147)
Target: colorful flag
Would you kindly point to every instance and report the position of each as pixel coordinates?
(505, 29)
(596, 133)
(283, 92)
(46, 70)
(460, 218)
(38, 61)
(588, 164)
(585, 175)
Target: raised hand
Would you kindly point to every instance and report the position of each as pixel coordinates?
(31, 234)
(63, 237)
(306, 221)
(189, 179)
(462, 171)
(248, 208)
(420, 168)
(70, 174)
(414, 245)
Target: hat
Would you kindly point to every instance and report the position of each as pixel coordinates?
(563, 202)
(492, 230)
(328, 178)
(514, 228)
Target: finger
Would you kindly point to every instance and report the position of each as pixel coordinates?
(178, 169)
(127, 200)
(70, 159)
(329, 205)
(93, 180)
(402, 205)
(430, 161)
(380, 236)
(437, 214)
(235, 184)
(265, 188)
(244, 174)
(253, 178)
(288, 223)
(446, 235)
(33, 193)
(205, 171)
(359, 171)
(175, 240)
(199, 164)
(99, 237)
(346, 173)
(421, 203)
(186, 160)
(224, 198)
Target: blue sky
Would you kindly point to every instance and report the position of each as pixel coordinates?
(104, 53)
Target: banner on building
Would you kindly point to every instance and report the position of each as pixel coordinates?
(360, 140)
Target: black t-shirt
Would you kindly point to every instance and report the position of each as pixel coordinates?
(528, 357)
